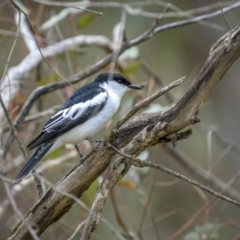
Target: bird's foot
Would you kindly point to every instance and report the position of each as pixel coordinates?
(82, 157)
(95, 141)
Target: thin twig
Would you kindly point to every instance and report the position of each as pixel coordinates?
(42, 114)
(7, 114)
(215, 182)
(111, 178)
(155, 226)
(88, 10)
(12, 48)
(20, 144)
(119, 41)
(16, 210)
(39, 49)
(224, 17)
(152, 74)
(129, 7)
(69, 195)
(14, 130)
(117, 213)
(211, 203)
(146, 205)
(198, 18)
(139, 163)
(48, 165)
(82, 204)
(77, 229)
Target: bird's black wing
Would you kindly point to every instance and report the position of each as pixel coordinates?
(82, 105)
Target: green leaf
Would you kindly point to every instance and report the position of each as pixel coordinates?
(57, 153)
(48, 79)
(131, 68)
(85, 20)
(90, 194)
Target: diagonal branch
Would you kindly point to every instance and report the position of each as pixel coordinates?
(139, 163)
(203, 174)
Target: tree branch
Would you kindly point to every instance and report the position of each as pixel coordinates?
(214, 181)
(139, 163)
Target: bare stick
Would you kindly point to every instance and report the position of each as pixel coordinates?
(77, 229)
(16, 210)
(130, 9)
(139, 163)
(152, 74)
(12, 49)
(42, 114)
(20, 144)
(14, 130)
(203, 174)
(110, 179)
(225, 19)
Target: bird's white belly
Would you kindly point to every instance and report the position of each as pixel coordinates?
(91, 126)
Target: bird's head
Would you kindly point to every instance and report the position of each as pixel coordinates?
(115, 82)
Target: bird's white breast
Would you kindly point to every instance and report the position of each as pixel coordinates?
(94, 124)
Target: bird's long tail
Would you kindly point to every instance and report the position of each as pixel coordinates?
(33, 161)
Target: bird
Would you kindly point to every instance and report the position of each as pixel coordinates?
(83, 115)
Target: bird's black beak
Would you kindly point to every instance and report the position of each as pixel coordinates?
(133, 86)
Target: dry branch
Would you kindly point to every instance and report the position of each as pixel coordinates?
(139, 163)
(201, 173)
(142, 131)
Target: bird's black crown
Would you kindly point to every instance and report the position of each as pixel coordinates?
(104, 77)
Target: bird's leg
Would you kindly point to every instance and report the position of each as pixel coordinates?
(95, 141)
(82, 157)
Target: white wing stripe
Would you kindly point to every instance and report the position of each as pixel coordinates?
(76, 110)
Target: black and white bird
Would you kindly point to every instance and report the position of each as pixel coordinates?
(84, 114)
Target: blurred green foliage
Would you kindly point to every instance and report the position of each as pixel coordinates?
(85, 20)
(208, 231)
